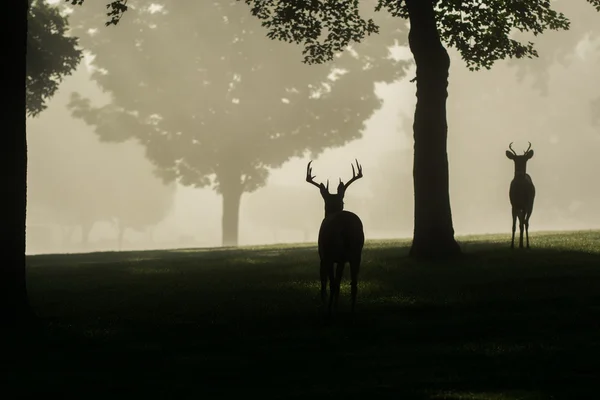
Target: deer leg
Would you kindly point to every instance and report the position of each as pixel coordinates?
(527, 229)
(514, 227)
(521, 225)
(338, 280)
(330, 271)
(324, 276)
(354, 268)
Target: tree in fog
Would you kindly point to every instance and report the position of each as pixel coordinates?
(216, 103)
(98, 182)
(480, 32)
(39, 53)
(136, 200)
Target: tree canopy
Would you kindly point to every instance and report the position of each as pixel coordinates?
(235, 103)
(51, 54)
(480, 30)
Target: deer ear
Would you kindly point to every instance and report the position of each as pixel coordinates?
(324, 190)
(341, 187)
(510, 155)
(529, 154)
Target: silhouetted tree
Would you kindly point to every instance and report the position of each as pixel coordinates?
(234, 104)
(480, 32)
(40, 58)
(51, 54)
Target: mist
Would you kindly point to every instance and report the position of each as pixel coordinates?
(88, 194)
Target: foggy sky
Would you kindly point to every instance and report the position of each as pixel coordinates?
(486, 111)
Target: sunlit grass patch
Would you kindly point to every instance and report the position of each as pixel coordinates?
(306, 285)
(140, 259)
(149, 270)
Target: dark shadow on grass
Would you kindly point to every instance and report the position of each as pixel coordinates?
(246, 322)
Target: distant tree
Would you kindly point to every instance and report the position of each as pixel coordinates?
(92, 188)
(234, 104)
(136, 198)
(39, 54)
(480, 31)
(559, 47)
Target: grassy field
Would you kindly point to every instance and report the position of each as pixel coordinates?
(224, 323)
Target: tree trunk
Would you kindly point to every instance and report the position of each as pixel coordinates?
(433, 235)
(67, 233)
(14, 305)
(232, 195)
(120, 233)
(86, 228)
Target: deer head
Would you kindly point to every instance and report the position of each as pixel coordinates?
(334, 202)
(520, 161)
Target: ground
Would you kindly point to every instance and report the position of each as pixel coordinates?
(224, 323)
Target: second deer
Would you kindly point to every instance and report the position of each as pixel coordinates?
(521, 194)
(341, 239)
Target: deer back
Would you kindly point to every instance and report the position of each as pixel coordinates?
(341, 237)
(522, 191)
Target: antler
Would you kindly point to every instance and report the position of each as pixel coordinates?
(309, 177)
(355, 176)
(527, 151)
(511, 149)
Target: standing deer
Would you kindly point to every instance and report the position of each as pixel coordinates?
(522, 194)
(341, 239)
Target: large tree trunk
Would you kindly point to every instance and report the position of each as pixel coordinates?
(14, 305)
(232, 195)
(433, 231)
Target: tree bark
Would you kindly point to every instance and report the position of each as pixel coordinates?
(433, 235)
(14, 305)
(232, 195)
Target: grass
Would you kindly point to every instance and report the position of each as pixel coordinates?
(225, 323)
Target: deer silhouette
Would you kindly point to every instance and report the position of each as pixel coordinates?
(521, 194)
(341, 239)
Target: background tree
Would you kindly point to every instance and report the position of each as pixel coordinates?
(40, 58)
(482, 35)
(235, 104)
(98, 181)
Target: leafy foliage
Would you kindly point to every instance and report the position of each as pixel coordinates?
(51, 54)
(480, 30)
(115, 12)
(235, 103)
